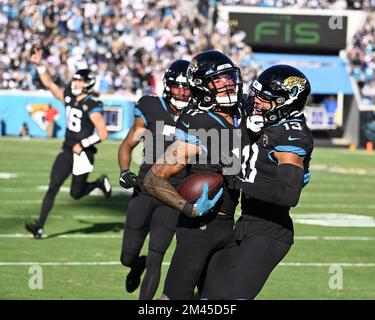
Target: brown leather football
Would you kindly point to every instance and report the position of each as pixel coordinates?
(191, 187)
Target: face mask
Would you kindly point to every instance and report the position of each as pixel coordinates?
(178, 104)
(76, 91)
(228, 100)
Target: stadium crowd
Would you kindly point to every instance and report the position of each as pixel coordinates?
(128, 43)
(362, 58)
(310, 4)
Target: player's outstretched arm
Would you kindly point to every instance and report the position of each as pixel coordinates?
(127, 178)
(45, 78)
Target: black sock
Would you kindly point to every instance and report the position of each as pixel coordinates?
(151, 280)
(47, 204)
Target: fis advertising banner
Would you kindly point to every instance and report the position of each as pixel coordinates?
(292, 32)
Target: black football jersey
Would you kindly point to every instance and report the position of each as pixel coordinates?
(290, 135)
(160, 120)
(78, 123)
(221, 144)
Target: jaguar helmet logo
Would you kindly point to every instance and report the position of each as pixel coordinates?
(193, 65)
(295, 85)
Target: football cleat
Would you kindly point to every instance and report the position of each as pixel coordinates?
(105, 186)
(33, 228)
(134, 276)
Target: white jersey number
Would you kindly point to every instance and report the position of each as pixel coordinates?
(248, 175)
(293, 125)
(73, 119)
(253, 171)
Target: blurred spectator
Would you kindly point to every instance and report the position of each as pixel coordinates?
(361, 56)
(2, 127)
(24, 131)
(50, 117)
(368, 92)
(330, 103)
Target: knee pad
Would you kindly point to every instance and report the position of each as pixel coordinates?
(75, 193)
(128, 259)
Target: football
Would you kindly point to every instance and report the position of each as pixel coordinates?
(191, 187)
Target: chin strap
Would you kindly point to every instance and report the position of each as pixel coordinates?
(179, 104)
(76, 92)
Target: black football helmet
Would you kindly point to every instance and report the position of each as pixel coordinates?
(214, 80)
(285, 88)
(175, 75)
(88, 77)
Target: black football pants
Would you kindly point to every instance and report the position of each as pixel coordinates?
(198, 244)
(61, 169)
(243, 269)
(146, 215)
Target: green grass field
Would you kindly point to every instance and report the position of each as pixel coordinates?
(80, 260)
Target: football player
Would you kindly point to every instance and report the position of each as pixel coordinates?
(84, 115)
(206, 227)
(145, 214)
(274, 173)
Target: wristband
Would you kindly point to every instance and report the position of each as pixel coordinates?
(188, 209)
(89, 141)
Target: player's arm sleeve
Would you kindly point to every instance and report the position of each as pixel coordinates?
(290, 178)
(285, 192)
(140, 110)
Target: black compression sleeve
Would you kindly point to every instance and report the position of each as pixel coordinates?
(285, 192)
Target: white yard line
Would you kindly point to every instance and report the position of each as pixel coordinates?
(99, 217)
(337, 206)
(117, 263)
(27, 202)
(335, 238)
(20, 216)
(327, 264)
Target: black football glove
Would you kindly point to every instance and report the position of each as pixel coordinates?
(128, 179)
(233, 182)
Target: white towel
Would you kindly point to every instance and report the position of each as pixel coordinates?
(81, 164)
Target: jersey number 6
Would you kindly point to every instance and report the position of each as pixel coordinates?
(73, 119)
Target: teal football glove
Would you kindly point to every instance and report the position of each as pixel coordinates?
(203, 204)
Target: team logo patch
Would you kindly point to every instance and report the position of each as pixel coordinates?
(265, 140)
(203, 226)
(68, 99)
(85, 107)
